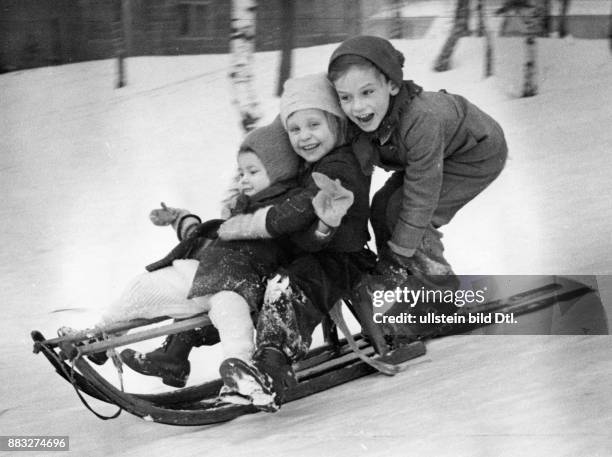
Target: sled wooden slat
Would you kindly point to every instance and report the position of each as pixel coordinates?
(98, 331)
(322, 353)
(341, 373)
(177, 327)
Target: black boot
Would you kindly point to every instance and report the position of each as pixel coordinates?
(170, 361)
(368, 303)
(264, 381)
(428, 272)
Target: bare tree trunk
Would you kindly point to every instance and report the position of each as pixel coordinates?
(530, 86)
(286, 30)
(610, 31)
(122, 37)
(242, 47)
(533, 23)
(563, 18)
(460, 29)
(482, 26)
(396, 25)
(543, 13)
(483, 31)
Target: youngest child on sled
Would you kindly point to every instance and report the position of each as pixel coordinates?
(206, 274)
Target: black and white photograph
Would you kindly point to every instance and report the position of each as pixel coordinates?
(306, 228)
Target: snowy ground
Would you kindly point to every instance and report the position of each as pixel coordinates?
(82, 164)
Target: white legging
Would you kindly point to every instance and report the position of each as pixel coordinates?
(164, 293)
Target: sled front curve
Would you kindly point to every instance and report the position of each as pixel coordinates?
(323, 368)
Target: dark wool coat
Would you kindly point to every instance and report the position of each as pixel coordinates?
(326, 273)
(238, 265)
(296, 213)
(447, 149)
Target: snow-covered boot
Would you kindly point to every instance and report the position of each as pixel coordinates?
(170, 361)
(264, 381)
(434, 278)
(368, 298)
(427, 272)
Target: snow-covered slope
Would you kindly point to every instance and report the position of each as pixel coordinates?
(82, 163)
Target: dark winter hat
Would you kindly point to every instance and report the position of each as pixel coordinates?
(378, 51)
(271, 144)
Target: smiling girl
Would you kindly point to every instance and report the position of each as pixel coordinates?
(301, 294)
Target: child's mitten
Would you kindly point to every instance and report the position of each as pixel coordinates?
(166, 215)
(333, 200)
(181, 220)
(245, 226)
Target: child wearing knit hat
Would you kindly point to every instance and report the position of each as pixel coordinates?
(206, 274)
(303, 292)
(443, 149)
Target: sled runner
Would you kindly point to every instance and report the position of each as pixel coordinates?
(337, 362)
(323, 368)
(544, 292)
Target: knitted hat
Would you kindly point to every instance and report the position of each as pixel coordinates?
(306, 92)
(378, 51)
(271, 145)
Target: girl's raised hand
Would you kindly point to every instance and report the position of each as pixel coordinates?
(332, 201)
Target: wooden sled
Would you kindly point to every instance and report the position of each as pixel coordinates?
(324, 367)
(335, 363)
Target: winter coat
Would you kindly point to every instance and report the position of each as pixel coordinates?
(327, 272)
(238, 265)
(296, 213)
(422, 133)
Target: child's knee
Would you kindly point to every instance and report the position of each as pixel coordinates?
(498, 160)
(228, 306)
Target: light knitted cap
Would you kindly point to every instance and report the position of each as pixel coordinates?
(271, 144)
(307, 92)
